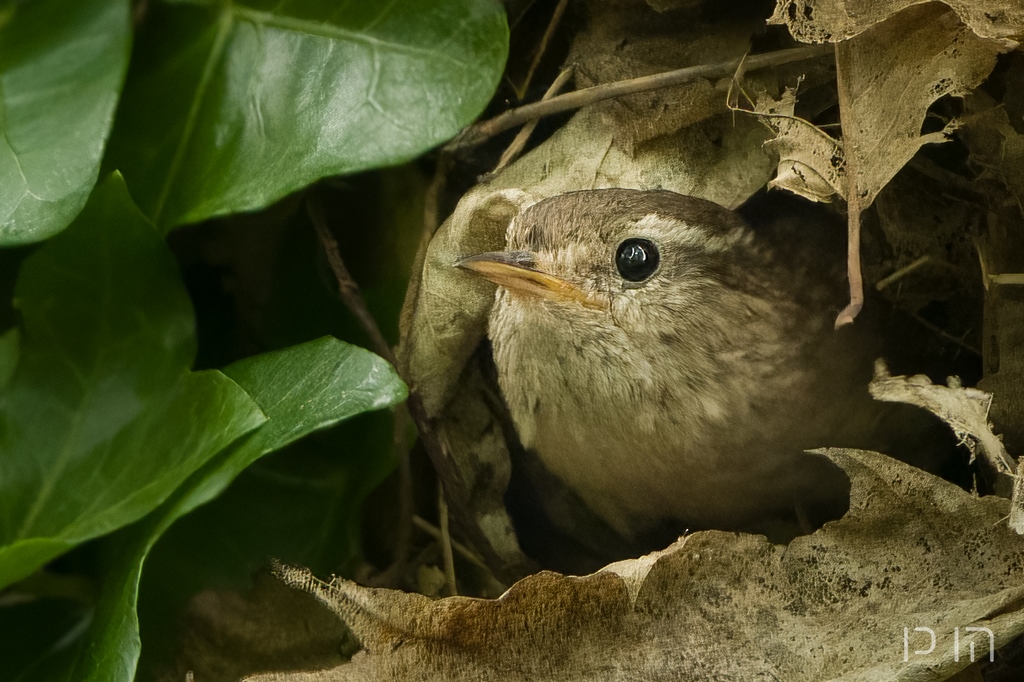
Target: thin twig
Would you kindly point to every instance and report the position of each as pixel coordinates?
(523, 136)
(1007, 278)
(447, 474)
(939, 331)
(812, 127)
(449, 477)
(741, 70)
(556, 18)
(574, 100)
(399, 425)
(347, 287)
(435, 532)
(958, 184)
(446, 542)
(353, 299)
(901, 273)
(935, 329)
(432, 199)
(853, 208)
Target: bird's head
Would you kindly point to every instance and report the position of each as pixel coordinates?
(639, 260)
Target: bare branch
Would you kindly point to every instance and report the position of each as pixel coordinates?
(556, 18)
(523, 136)
(446, 543)
(574, 100)
(347, 287)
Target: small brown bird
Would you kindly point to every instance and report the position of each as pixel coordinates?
(665, 362)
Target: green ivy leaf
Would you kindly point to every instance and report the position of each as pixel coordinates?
(61, 69)
(230, 105)
(102, 419)
(300, 389)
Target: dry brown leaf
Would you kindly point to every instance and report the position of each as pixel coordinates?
(819, 21)
(811, 163)
(623, 41)
(913, 552)
(228, 635)
(965, 410)
(893, 71)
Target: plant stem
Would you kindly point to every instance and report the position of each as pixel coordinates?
(481, 132)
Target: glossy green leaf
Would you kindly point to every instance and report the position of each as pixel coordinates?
(102, 419)
(300, 389)
(61, 68)
(231, 105)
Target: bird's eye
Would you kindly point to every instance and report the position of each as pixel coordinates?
(637, 259)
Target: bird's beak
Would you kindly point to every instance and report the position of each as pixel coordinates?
(517, 271)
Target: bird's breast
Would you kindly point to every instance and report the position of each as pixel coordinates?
(655, 427)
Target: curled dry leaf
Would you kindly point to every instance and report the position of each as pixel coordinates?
(623, 41)
(965, 410)
(819, 21)
(811, 162)
(913, 552)
(893, 71)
